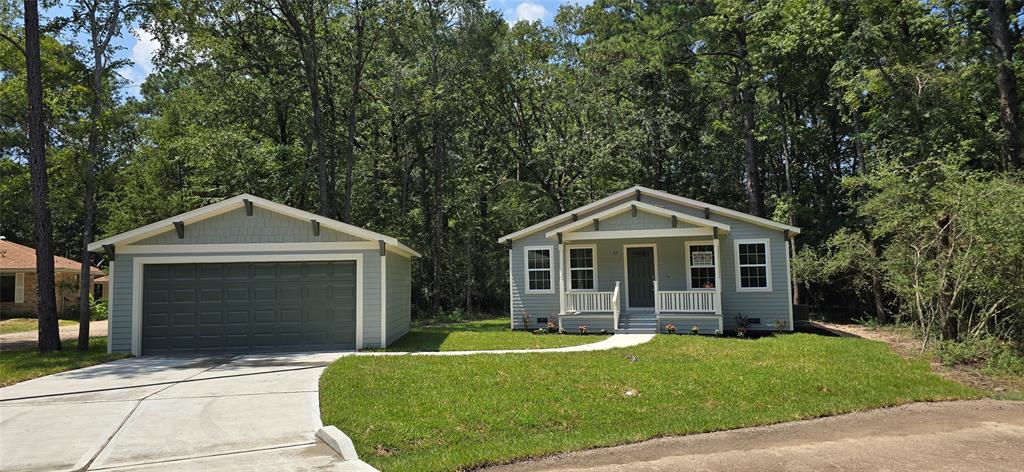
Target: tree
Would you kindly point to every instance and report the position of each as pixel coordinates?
(49, 333)
(1006, 82)
(101, 21)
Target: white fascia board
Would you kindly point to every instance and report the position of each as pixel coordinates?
(553, 220)
(638, 233)
(641, 206)
(653, 193)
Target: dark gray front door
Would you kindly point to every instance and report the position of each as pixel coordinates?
(251, 306)
(640, 270)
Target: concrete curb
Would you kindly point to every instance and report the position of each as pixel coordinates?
(337, 440)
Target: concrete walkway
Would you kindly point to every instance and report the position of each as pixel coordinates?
(253, 412)
(982, 435)
(615, 341)
(28, 339)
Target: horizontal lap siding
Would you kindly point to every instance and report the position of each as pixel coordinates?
(536, 305)
(684, 324)
(121, 295)
(769, 306)
(571, 324)
(399, 296)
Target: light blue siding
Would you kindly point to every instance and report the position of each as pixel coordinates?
(684, 324)
(671, 266)
(399, 296)
(235, 227)
(595, 323)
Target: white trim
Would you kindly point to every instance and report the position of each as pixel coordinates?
(526, 267)
(511, 299)
(767, 264)
(625, 271)
(19, 287)
(789, 278)
(384, 300)
(139, 262)
(687, 267)
(637, 233)
(236, 202)
(110, 306)
(681, 315)
(654, 193)
(561, 279)
(640, 206)
(253, 247)
(569, 268)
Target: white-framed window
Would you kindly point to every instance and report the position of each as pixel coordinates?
(540, 269)
(582, 267)
(700, 265)
(753, 265)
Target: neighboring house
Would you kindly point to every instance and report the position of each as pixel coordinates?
(101, 287)
(248, 274)
(640, 259)
(18, 280)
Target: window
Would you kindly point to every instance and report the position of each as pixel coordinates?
(539, 270)
(7, 288)
(582, 275)
(700, 258)
(753, 261)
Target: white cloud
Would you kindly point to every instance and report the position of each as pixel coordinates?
(529, 11)
(143, 50)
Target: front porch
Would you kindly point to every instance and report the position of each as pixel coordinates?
(637, 268)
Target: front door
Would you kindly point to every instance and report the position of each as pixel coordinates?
(640, 273)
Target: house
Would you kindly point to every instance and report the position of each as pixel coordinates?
(18, 280)
(641, 259)
(248, 274)
(101, 287)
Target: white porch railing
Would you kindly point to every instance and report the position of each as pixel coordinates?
(691, 301)
(615, 306)
(588, 301)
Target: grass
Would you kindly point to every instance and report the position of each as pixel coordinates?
(483, 335)
(19, 366)
(20, 325)
(428, 413)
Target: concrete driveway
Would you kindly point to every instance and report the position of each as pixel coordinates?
(151, 413)
(982, 435)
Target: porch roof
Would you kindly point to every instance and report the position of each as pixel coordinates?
(705, 227)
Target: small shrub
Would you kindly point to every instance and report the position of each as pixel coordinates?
(718, 332)
(780, 325)
(604, 331)
(540, 331)
(526, 319)
(741, 325)
(584, 329)
(552, 327)
(670, 328)
(97, 308)
(990, 353)
(695, 330)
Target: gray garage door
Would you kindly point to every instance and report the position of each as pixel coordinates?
(247, 307)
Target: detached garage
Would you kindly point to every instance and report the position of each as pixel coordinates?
(247, 274)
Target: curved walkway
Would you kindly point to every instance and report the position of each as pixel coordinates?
(614, 342)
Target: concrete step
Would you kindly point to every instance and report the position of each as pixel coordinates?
(622, 330)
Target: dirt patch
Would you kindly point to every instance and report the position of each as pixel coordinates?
(909, 347)
(28, 339)
(981, 435)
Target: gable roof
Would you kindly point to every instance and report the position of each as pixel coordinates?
(642, 206)
(630, 193)
(14, 256)
(238, 201)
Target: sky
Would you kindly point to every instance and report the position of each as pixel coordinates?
(139, 46)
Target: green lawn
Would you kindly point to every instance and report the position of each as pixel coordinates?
(483, 335)
(19, 325)
(428, 413)
(18, 366)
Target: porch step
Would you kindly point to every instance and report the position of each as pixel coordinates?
(638, 323)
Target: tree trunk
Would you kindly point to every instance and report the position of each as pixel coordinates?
(49, 334)
(353, 107)
(1006, 82)
(437, 238)
(950, 323)
(755, 200)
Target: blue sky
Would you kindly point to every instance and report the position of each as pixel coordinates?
(139, 46)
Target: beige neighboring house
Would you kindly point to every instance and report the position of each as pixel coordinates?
(18, 280)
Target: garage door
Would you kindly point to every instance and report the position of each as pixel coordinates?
(247, 307)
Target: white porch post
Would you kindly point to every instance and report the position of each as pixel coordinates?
(718, 281)
(561, 275)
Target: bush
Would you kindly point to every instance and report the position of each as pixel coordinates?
(97, 308)
(987, 352)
